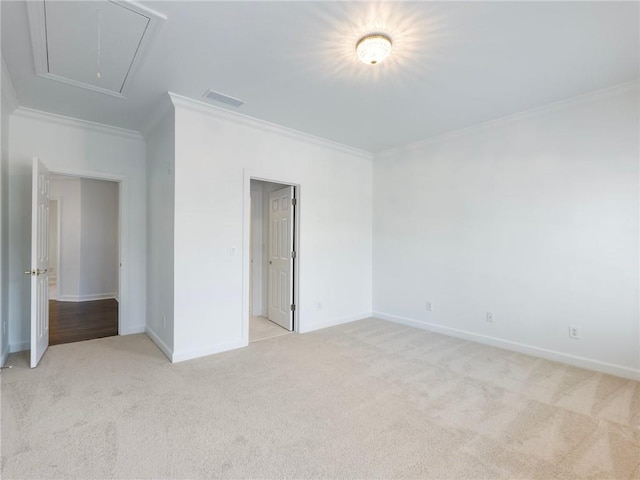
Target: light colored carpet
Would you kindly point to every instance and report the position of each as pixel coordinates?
(369, 399)
(261, 328)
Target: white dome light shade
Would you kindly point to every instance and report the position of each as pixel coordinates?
(373, 48)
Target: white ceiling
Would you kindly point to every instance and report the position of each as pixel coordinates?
(454, 64)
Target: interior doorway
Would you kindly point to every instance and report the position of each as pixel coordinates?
(273, 257)
(84, 258)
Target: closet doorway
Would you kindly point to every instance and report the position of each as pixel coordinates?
(272, 257)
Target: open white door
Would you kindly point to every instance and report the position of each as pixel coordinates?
(39, 262)
(281, 254)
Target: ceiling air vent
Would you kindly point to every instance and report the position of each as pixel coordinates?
(222, 98)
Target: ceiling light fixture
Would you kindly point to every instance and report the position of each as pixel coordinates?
(373, 48)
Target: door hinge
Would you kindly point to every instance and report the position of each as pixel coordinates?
(293, 254)
(293, 307)
(294, 202)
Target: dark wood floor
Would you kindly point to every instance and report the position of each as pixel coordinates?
(77, 321)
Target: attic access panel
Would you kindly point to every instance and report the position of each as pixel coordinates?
(93, 45)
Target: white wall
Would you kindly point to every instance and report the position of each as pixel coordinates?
(99, 239)
(90, 150)
(534, 218)
(69, 191)
(216, 153)
(53, 238)
(160, 218)
(8, 104)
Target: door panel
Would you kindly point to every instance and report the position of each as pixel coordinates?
(39, 262)
(273, 289)
(280, 257)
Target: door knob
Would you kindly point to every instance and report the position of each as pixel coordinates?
(36, 272)
(269, 262)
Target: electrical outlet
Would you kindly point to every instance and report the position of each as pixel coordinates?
(574, 332)
(490, 317)
(429, 306)
(319, 306)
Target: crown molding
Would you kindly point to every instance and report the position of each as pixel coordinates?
(30, 113)
(8, 91)
(239, 118)
(560, 105)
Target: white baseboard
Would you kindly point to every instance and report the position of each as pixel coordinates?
(332, 322)
(87, 298)
(155, 338)
(587, 363)
(19, 347)
(205, 351)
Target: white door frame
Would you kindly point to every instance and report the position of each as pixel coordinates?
(246, 250)
(123, 208)
(251, 260)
